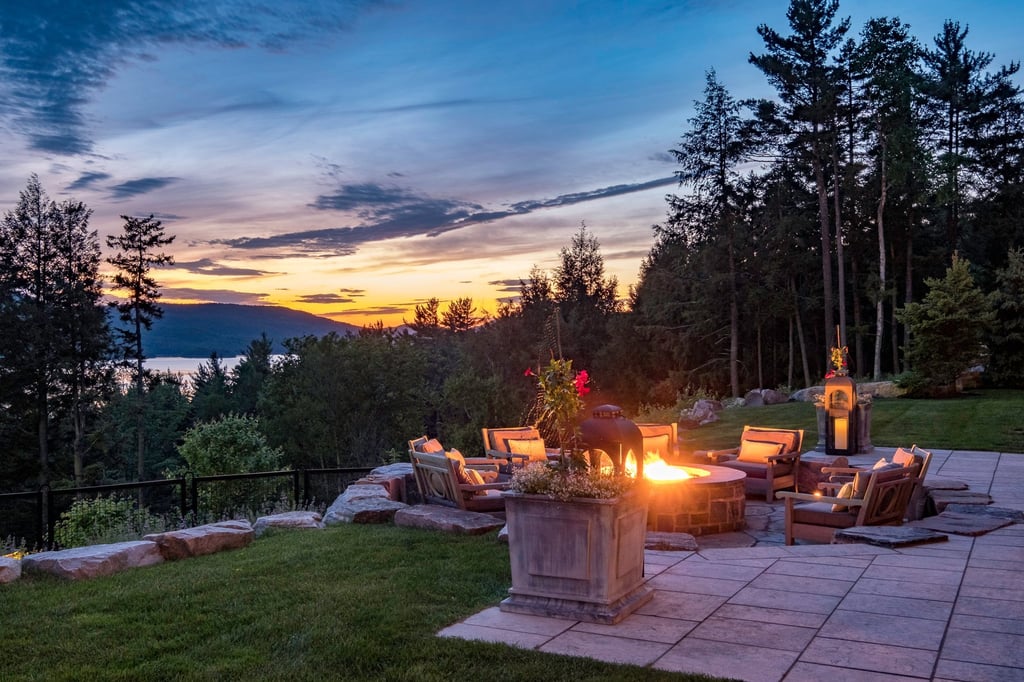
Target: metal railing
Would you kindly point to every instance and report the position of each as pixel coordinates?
(29, 518)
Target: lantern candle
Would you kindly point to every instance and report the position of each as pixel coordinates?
(840, 428)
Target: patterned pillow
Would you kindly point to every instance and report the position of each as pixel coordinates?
(758, 451)
(846, 492)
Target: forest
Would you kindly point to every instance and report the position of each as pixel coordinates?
(874, 204)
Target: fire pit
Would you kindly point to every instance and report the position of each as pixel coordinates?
(707, 500)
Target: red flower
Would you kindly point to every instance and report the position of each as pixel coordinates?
(831, 373)
(529, 373)
(581, 383)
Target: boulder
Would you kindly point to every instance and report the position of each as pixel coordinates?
(10, 569)
(703, 412)
(398, 479)
(95, 560)
(292, 519)
(503, 535)
(808, 395)
(772, 397)
(200, 540)
(753, 398)
(881, 389)
(363, 503)
(447, 519)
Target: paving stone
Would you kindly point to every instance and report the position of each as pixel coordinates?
(605, 648)
(751, 633)
(931, 483)
(942, 498)
(726, 659)
(675, 542)
(960, 671)
(681, 605)
(876, 628)
(995, 512)
(447, 519)
(962, 524)
(523, 640)
(888, 536)
(640, 626)
(989, 648)
(813, 672)
(872, 657)
(494, 617)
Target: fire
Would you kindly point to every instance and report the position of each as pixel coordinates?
(659, 471)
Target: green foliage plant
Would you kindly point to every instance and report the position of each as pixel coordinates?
(103, 520)
(1006, 340)
(947, 330)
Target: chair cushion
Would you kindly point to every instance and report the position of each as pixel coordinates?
(432, 446)
(821, 514)
(903, 457)
(846, 492)
(657, 444)
(461, 474)
(499, 437)
(751, 469)
(785, 438)
(473, 477)
(758, 451)
(533, 447)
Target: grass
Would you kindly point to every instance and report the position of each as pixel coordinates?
(979, 420)
(351, 602)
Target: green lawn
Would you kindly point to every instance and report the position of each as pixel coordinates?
(347, 603)
(980, 420)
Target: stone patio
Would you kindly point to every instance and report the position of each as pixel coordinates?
(745, 606)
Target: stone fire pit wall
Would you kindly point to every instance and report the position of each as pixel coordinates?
(699, 506)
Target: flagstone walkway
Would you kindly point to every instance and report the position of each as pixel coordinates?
(765, 612)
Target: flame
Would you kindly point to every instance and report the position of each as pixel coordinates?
(659, 471)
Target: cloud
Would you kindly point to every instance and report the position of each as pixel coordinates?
(507, 285)
(86, 180)
(212, 295)
(327, 298)
(373, 310)
(393, 212)
(54, 61)
(133, 188)
(206, 266)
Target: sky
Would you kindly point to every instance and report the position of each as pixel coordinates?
(354, 159)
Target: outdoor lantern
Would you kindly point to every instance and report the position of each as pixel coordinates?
(609, 431)
(840, 416)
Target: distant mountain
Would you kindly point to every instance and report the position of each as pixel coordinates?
(195, 331)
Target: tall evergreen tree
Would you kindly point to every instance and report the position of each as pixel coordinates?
(709, 216)
(136, 254)
(798, 67)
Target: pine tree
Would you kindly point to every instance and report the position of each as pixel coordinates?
(1006, 342)
(136, 254)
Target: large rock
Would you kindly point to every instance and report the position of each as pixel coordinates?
(881, 389)
(772, 397)
(703, 412)
(447, 519)
(398, 479)
(753, 398)
(807, 395)
(363, 503)
(93, 561)
(292, 519)
(200, 540)
(10, 570)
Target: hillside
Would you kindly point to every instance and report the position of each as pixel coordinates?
(195, 331)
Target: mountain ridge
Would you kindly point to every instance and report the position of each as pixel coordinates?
(196, 330)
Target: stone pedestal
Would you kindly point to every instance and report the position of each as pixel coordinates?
(581, 560)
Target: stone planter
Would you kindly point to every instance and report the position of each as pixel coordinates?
(581, 560)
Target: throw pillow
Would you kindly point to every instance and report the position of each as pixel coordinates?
(432, 446)
(532, 447)
(460, 466)
(881, 463)
(474, 477)
(785, 438)
(757, 451)
(846, 492)
(903, 458)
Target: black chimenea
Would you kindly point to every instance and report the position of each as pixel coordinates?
(609, 431)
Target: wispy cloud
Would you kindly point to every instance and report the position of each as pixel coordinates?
(87, 180)
(392, 212)
(207, 266)
(52, 63)
(133, 188)
(507, 285)
(328, 298)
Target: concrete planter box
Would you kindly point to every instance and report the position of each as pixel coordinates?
(581, 560)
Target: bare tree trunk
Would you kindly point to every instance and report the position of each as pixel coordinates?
(826, 246)
(858, 337)
(880, 303)
(789, 371)
(840, 259)
(734, 326)
(760, 359)
(800, 333)
(894, 337)
(908, 294)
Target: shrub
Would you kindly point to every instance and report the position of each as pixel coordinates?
(105, 519)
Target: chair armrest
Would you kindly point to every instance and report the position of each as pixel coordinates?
(841, 470)
(501, 454)
(785, 456)
(467, 488)
(481, 463)
(811, 497)
(717, 455)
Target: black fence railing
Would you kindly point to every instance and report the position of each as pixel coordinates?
(29, 519)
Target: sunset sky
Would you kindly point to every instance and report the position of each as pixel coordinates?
(353, 159)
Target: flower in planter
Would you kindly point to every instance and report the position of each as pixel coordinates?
(565, 484)
(561, 398)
